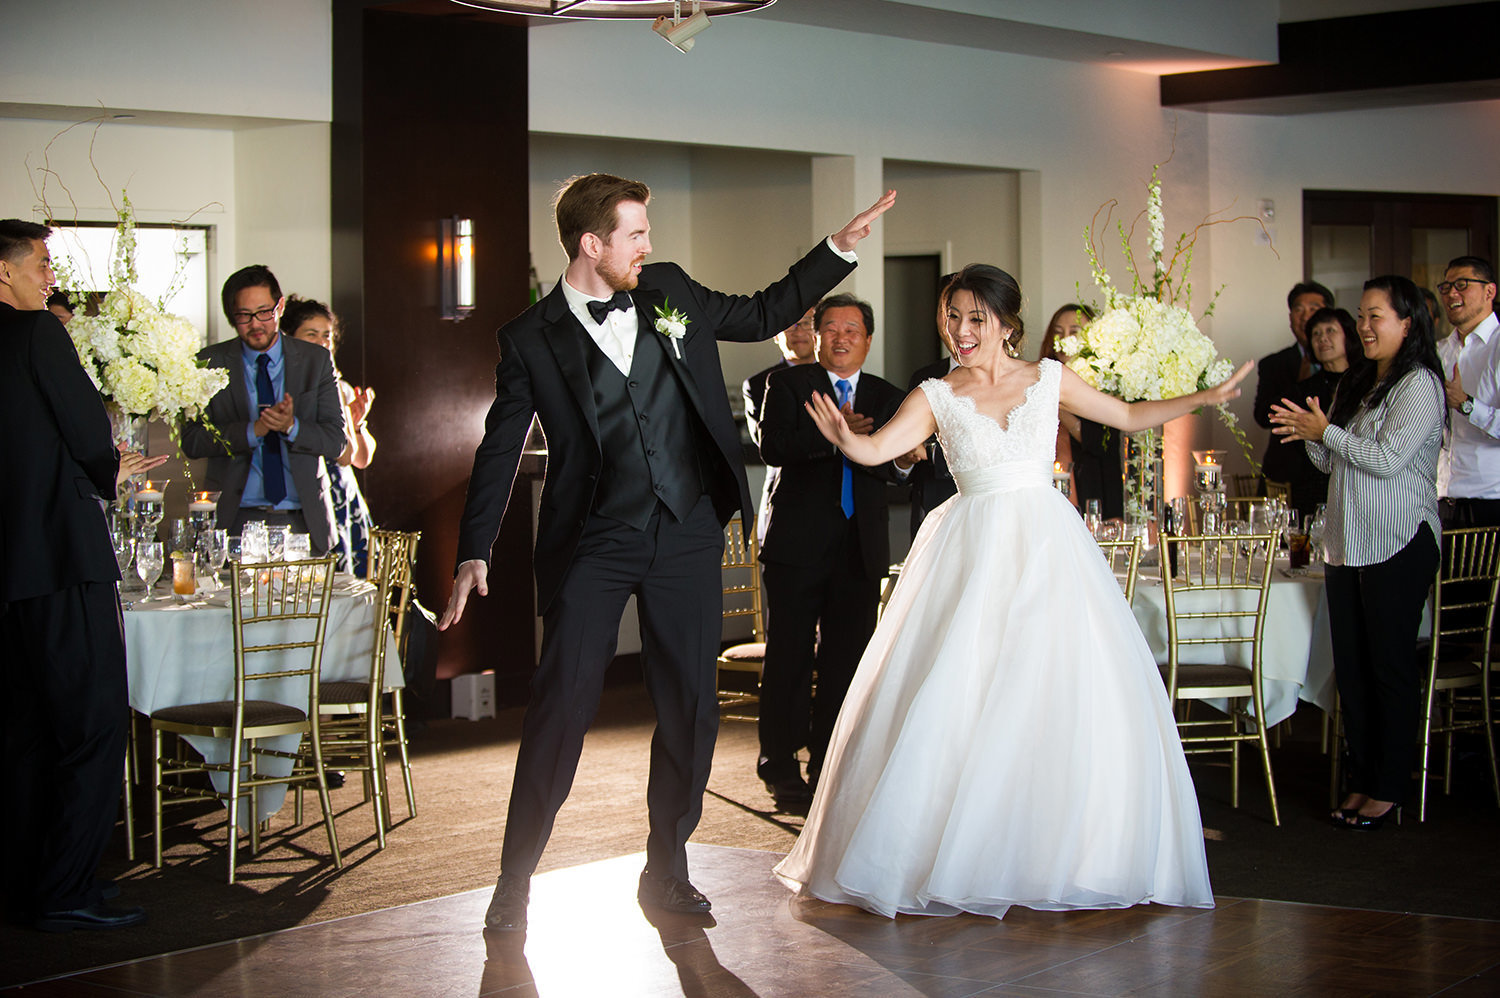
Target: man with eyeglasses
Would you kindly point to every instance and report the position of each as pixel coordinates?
(274, 422)
(1469, 466)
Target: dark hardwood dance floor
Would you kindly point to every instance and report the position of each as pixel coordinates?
(589, 938)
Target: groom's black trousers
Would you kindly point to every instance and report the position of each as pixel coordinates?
(673, 569)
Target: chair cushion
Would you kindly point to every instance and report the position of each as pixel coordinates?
(1216, 676)
(343, 691)
(746, 657)
(220, 714)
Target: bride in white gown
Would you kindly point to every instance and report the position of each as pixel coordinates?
(1007, 738)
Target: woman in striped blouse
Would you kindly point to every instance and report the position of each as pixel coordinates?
(1379, 443)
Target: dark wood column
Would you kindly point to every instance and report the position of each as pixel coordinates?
(430, 122)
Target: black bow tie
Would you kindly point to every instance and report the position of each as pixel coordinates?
(598, 310)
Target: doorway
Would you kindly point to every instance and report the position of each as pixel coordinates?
(1350, 236)
(910, 320)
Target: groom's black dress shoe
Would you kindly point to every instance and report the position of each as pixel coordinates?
(507, 911)
(95, 916)
(671, 894)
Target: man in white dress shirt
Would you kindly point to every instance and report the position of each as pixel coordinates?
(1469, 466)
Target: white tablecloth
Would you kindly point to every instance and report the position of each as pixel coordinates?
(180, 653)
(1296, 652)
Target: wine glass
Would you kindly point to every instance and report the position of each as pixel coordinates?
(123, 544)
(1091, 518)
(148, 563)
(213, 547)
(253, 542)
(1317, 526)
(275, 542)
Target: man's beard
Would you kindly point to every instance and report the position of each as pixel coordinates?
(616, 280)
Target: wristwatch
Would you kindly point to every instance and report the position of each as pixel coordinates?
(1467, 405)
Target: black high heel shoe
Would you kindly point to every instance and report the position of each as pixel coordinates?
(1370, 822)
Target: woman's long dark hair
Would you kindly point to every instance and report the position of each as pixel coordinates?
(1360, 387)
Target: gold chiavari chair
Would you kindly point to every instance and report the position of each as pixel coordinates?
(742, 598)
(1124, 559)
(280, 614)
(1462, 604)
(1216, 599)
(1279, 490)
(363, 718)
(1245, 484)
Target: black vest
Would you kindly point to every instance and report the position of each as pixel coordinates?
(645, 421)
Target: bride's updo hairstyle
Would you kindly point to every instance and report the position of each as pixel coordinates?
(997, 293)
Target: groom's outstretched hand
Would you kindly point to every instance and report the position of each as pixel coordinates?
(471, 575)
(859, 226)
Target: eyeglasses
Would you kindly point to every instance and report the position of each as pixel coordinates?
(1461, 285)
(245, 318)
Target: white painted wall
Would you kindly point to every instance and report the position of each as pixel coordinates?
(267, 59)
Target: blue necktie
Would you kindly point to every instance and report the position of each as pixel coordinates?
(270, 447)
(846, 493)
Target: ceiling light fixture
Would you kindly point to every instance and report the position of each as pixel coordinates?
(627, 10)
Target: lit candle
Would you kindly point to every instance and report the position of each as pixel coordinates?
(148, 495)
(1208, 475)
(202, 506)
(1060, 477)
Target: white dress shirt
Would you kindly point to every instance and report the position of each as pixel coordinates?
(615, 335)
(1469, 467)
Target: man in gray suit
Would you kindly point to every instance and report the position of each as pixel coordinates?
(274, 422)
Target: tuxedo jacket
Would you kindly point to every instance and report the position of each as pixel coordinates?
(1278, 374)
(543, 370)
(806, 517)
(60, 462)
(307, 375)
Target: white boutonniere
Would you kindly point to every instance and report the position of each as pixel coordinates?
(671, 323)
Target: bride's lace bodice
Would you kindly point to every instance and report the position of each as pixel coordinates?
(972, 440)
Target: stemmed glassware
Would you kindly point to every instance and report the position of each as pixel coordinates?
(1092, 520)
(150, 506)
(213, 550)
(1317, 526)
(148, 563)
(123, 544)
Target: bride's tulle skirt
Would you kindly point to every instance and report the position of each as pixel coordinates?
(1007, 739)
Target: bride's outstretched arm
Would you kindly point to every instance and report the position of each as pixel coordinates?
(1091, 403)
(912, 424)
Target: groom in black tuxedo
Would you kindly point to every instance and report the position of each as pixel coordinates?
(620, 364)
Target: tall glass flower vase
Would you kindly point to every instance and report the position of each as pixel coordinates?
(1143, 489)
(129, 431)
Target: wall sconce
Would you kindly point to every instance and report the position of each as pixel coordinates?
(456, 267)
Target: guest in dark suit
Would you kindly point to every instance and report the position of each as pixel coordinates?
(931, 482)
(63, 671)
(644, 468)
(1093, 449)
(280, 417)
(799, 344)
(827, 546)
(1278, 373)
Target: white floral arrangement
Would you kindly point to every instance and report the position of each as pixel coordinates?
(142, 358)
(1146, 344)
(672, 323)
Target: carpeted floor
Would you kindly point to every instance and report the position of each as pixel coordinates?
(462, 772)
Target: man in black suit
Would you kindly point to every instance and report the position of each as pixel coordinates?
(280, 416)
(644, 467)
(1278, 374)
(827, 546)
(799, 344)
(63, 671)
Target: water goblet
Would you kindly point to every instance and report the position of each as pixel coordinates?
(1111, 530)
(1091, 518)
(213, 548)
(254, 542)
(298, 546)
(276, 542)
(148, 563)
